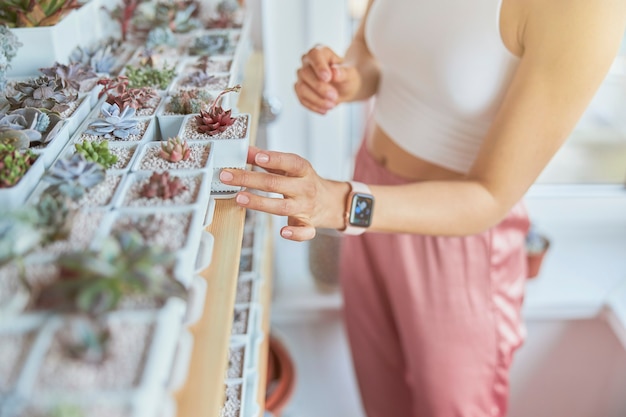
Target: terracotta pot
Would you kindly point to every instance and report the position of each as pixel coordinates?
(283, 378)
(535, 260)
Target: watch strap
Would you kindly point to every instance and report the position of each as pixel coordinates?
(355, 188)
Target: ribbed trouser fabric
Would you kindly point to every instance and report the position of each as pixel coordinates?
(433, 321)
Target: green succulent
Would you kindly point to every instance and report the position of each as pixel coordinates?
(54, 217)
(95, 281)
(146, 76)
(97, 152)
(211, 44)
(14, 164)
(31, 13)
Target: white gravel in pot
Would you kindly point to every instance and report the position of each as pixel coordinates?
(232, 403)
(244, 292)
(84, 226)
(133, 195)
(240, 321)
(121, 369)
(235, 131)
(151, 161)
(124, 155)
(235, 362)
(166, 230)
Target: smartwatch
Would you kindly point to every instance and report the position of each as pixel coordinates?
(359, 209)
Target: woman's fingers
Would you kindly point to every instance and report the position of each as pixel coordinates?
(289, 164)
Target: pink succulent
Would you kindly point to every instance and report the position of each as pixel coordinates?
(175, 150)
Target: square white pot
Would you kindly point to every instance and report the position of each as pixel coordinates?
(149, 148)
(13, 197)
(43, 46)
(229, 153)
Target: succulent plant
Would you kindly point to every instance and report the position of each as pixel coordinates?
(14, 164)
(54, 217)
(16, 138)
(160, 36)
(124, 14)
(211, 44)
(42, 92)
(216, 119)
(189, 101)
(161, 185)
(72, 176)
(19, 234)
(118, 92)
(71, 75)
(9, 45)
(85, 338)
(198, 79)
(146, 76)
(175, 150)
(94, 281)
(39, 125)
(226, 15)
(30, 13)
(116, 123)
(97, 152)
(101, 57)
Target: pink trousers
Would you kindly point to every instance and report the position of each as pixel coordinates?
(433, 321)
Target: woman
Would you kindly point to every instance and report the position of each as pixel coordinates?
(473, 98)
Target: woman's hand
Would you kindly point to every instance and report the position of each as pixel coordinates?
(324, 81)
(308, 200)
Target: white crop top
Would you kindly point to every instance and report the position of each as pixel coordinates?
(444, 71)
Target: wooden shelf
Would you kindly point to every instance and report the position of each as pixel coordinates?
(203, 392)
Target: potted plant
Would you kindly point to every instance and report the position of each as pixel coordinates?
(20, 170)
(47, 29)
(174, 108)
(229, 133)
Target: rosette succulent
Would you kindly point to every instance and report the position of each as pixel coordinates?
(211, 44)
(175, 150)
(216, 119)
(198, 79)
(116, 123)
(42, 92)
(72, 176)
(101, 57)
(163, 186)
(71, 76)
(39, 125)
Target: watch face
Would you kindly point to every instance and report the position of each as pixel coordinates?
(361, 210)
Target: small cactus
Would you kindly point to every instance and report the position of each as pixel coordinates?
(162, 186)
(74, 175)
(97, 152)
(216, 119)
(189, 101)
(175, 150)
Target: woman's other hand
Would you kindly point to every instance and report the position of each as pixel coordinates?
(308, 200)
(325, 81)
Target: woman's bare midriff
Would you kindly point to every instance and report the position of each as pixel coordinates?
(401, 163)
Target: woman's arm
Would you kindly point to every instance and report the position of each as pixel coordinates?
(568, 47)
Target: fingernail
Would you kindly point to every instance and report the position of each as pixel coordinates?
(242, 199)
(286, 233)
(329, 104)
(262, 158)
(325, 75)
(226, 176)
(331, 95)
